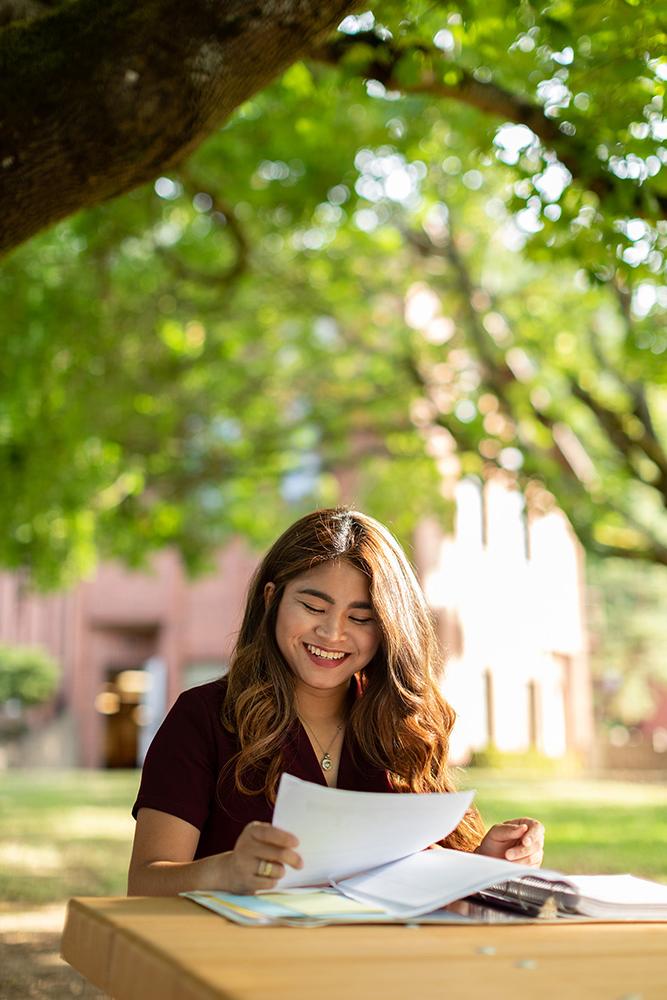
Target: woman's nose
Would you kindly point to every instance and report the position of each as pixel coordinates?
(332, 626)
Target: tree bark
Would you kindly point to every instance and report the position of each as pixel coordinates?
(96, 99)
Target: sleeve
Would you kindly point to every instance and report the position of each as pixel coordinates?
(180, 771)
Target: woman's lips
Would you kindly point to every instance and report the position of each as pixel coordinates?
(322, 661)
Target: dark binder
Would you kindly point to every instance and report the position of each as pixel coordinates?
(532, 896)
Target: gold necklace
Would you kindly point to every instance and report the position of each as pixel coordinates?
(326, 762)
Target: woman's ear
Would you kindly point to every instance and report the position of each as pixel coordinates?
(269, 591)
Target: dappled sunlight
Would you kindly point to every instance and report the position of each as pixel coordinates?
(15, 919)
(90, 822)
(27, 858)
(49, 960)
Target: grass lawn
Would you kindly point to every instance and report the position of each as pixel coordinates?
(591, 826)
(65, 833)
(69, 833)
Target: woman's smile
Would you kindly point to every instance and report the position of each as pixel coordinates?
(324, 656)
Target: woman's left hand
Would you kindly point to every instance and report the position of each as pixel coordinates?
(520, 840)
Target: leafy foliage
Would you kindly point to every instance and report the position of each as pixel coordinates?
(629, 635)
(435, 247)
(27, 674)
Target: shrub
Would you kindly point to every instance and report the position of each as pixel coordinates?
(525, 760)
(27, 674)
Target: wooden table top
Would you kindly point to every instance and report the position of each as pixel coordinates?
(173, 949)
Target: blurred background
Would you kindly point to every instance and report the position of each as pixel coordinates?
(421, 273)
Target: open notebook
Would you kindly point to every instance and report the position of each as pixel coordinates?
(318, 907)
(448, 887)
(431, 879)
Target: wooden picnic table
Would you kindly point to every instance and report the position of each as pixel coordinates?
(173, 949)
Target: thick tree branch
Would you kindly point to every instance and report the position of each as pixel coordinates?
(490, 98)
(96, 99)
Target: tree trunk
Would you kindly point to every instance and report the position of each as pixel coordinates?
(96, 99)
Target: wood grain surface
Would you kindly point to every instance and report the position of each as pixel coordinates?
(175, 950)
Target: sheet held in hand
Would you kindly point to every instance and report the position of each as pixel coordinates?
(342, 833)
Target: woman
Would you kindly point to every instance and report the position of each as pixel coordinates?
(334, 679)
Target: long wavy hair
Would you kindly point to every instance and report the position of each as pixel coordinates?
(401, 722)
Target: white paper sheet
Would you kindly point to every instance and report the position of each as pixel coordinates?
(430, 879)
(624, 890)
(620, 896)
(342, 833)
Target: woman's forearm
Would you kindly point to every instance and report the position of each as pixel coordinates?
(168, 878)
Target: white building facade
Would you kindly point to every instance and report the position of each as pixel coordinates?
(508, 592)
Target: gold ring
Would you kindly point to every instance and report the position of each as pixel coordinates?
(265, 869)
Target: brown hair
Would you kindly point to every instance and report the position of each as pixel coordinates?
(401, 723)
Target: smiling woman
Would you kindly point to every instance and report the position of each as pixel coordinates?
(335, 679)
(326, 635)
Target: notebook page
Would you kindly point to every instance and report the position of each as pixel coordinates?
(430, 879)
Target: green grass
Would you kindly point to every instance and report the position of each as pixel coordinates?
(65, 834)
(70, 833)
(591, 826)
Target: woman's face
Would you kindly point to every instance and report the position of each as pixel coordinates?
(326, 629)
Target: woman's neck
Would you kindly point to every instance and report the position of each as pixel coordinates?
(318, 706)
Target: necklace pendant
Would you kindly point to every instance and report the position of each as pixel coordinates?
(326, 762)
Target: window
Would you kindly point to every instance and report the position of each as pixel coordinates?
(202, 673)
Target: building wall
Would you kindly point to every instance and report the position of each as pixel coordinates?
(508, 593)
(118, 622)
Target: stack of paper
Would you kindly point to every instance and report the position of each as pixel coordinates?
(619, 897)
(370, 847)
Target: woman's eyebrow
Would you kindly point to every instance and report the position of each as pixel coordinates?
(330, 600)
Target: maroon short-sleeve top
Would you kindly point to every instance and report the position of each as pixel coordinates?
(191, 747)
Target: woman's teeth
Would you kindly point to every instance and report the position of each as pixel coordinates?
(323, 654)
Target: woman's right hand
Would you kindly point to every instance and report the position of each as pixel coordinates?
(260, 842)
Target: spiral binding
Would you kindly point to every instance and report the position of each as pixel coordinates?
(530, 893)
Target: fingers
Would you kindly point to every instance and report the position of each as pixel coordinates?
(275, 845)
(267, 881)
(525, 854)
(259, 846)
(255, 883)
(509, 830)
(528, 850)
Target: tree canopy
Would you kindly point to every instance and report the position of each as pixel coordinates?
(434, 246)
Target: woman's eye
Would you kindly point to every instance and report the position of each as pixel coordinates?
(318, 611)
